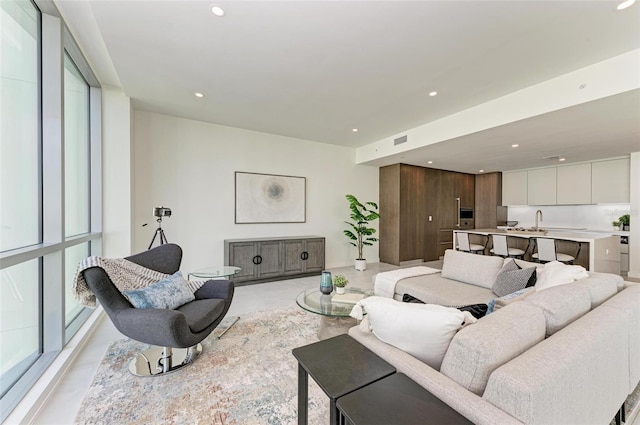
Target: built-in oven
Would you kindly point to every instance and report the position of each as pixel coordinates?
(466, 213)
(465, 218)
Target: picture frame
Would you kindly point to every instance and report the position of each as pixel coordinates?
(269, 198)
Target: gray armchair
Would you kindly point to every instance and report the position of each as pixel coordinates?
(175, 335)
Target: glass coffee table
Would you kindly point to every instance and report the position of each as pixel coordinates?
(334, 315)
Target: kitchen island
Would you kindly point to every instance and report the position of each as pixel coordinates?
(599, 252)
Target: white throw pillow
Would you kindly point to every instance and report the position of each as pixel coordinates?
(556, 273)
(422, 330)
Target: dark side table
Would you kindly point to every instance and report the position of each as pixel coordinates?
(396, 399)
(339, 365)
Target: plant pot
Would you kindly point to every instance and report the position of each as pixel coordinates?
(361, 265)
(339, 290)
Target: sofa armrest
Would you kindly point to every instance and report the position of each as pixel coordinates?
(465, 402)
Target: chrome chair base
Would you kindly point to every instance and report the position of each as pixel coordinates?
(156, 361)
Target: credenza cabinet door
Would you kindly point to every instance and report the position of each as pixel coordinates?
(315, 259)
(243, 255)
(269, 257)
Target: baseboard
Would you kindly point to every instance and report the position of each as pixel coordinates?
(27, 409)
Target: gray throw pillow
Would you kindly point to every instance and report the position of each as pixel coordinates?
(512, 278)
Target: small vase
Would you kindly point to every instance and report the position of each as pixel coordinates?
(339, 290)
(326, 284)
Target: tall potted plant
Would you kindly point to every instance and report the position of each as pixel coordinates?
(360, 233)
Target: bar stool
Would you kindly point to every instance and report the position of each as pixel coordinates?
(501, 248)
(464, 245)
(546, 248)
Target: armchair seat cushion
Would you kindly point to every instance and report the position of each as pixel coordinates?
(202, 313)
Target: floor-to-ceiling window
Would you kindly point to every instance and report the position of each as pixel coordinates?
(49, 172)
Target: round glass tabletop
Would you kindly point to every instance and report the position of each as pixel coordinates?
(331, 305)
(215, 272)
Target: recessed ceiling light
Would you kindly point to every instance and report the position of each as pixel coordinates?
(429, 162)
(217, 10)
(198, 94)
(515, 145)
(355, 130)
(625, 4)
(433, 93)
(481, 171)
(562, 159)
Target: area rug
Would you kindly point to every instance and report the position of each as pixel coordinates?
(248, 376)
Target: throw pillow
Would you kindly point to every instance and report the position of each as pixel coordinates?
(512, 278)
(556, 273)
(476, 310)
(169, 293)
(422, 330)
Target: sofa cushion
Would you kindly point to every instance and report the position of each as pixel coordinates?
(601, 288)
(562, 304)
(422, 330)
(477, 350)
(512, 278)
(480, 270)
(434, 289)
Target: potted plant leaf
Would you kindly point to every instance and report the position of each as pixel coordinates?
(624, 221)
(339, 281)
(360, 233)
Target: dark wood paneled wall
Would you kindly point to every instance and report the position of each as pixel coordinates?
(488, 198)
(409, 195)
(389, 197)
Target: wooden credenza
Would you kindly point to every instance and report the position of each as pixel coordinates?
(268, 259)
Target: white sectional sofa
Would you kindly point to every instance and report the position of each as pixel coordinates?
(565, 355)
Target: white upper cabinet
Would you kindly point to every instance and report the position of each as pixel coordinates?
(514, 188)
(541, 186)
(574, 184)
(610, 181)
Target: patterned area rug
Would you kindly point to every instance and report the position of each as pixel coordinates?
(249, 376)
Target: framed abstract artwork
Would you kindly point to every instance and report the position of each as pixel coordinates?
(269, 198)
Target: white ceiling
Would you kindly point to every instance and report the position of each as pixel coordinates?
(316, 69)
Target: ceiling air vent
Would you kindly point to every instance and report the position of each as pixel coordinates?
(399, 140)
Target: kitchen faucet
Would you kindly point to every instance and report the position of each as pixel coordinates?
(535, 227)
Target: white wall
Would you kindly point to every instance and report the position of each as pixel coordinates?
(189, 167)
(634, 238)
(116, 174)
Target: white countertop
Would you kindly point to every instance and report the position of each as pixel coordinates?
(577, 230)
(578, 235)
